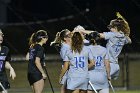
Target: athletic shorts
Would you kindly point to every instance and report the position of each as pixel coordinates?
(34, 77)
(5, 84)
(74, 83)
(98, 79)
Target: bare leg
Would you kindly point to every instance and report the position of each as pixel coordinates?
(76, 91)
(83, 91)
(89, 91)
(73, 91)
(63, 89)
(38, 86)
(33, 89)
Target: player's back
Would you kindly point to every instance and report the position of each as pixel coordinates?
(100, 54)
(79, 63)
(116, 41)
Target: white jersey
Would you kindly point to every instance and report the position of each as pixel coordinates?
(115, 43)
(100, 54)
(64, 48)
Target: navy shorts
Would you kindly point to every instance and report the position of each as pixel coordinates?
(34, 77)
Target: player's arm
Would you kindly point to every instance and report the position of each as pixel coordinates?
(89, 31)
(27, 57)
(86, 31)
(63, 70)
(107, 66)
(9, 67)
(129, 39)
(91, 64)
(39, 66)
(57, 40)
(102, 35)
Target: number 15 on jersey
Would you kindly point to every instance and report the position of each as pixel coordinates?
(79, 62)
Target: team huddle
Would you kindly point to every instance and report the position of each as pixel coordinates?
(87, 67)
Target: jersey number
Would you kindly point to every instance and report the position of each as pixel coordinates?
(117, 47)
(79, 62)
(98, 60)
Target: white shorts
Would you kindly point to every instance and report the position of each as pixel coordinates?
(74, 83)
(98, 79)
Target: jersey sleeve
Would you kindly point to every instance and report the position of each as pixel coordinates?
(63, 52)
(66, 57)
(39, 51)
(108, 35)
(8, 55)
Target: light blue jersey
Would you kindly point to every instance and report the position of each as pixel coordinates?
(78, 69)
(64, 47)
(115, 43)
(79, 62)
(98, 75)
(100, 54)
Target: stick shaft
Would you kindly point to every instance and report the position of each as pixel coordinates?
(93, 87)
(49, 79)
(111, 86)
(3, 88)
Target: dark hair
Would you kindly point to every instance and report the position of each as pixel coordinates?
(37, 37)
(77, 42)
(94, 37)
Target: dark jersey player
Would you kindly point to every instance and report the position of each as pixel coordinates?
(4, 64)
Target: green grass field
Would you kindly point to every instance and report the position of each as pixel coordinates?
(127, 91)
(21, 85)
(110, 92)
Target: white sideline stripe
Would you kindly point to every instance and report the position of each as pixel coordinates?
(57, 57)
(48, 57)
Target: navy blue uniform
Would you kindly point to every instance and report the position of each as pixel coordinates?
(34, 74)
(4, 56)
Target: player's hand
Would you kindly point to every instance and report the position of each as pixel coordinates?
(12, 73)
(58, 34)
(109, 77)
(44, 75)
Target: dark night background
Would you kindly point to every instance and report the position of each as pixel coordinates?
(27, 16)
